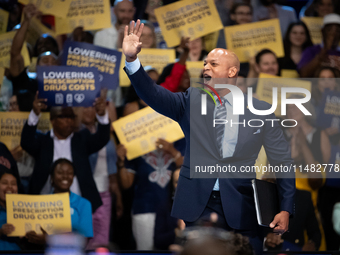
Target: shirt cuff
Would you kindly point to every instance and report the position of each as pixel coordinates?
(132, 67)
(104, 120)
(33, 119)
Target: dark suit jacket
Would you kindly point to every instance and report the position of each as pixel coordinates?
(83, 144)
(192, 194)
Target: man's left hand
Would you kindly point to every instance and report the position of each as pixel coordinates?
(280, 222)
(100, 103)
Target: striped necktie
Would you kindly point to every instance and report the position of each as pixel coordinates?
(221, 113)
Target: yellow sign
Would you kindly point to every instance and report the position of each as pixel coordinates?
(91, 15)
(35, 30)
(248, 39)
(140, 130)
(190, 18)
(30, 212)
(314, 25)
(195, 68)
(267, 82)
(5, 50)
(210, 41)
(2, 74)
(12, 123)
(286, 73)
(157, 58)
(3, 20)
(53, 7)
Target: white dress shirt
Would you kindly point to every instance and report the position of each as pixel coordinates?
(62, 149)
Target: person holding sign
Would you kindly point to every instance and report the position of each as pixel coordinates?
(63, 142)
(8, 185)
(231, 199)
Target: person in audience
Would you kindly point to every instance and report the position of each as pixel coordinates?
(150, 175)
(270, 10)
(112, 37)
(241, 13)
(318, 8)
(7, 160)
(165, 225)
(148, 39)
(63, 142)
(103, 165)
(13, 104)
(8, 185)
(62, 176)
(326, 54)
(297, 39)
(336, 218)
(264, 62)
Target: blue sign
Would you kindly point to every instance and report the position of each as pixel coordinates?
(68, 85)
(88, 55)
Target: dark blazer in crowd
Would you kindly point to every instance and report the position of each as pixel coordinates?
(192, 194)
(83, 144)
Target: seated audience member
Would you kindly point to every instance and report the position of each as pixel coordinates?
(297, 39)
(270, 10)
(318, 8)
(151, 17)
(326, 81)
(196, 50)
(150, 175)
(165, 225)
(148, 38)
(264, 62)
(241, 13)
(304, 220)
(112, 37)
(8, 185)
(326, 54)
(104, 169)
(62, 175)
(63, 142)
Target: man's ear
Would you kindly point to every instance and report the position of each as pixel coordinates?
(257, 68)
(233, 17)
(232, 72)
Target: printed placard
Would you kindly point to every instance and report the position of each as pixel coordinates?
(157, 58)
(36, 29)
(195, 68)
(329, 116)
(68, 85)
(314, 25)
(190, 18)
(267, 82)
(53, 7)
(3, 21)
(88, 55)
(32, 212)
(91, 15)
(140, 130)
(6, 40)
(12, 123)
(248, 39)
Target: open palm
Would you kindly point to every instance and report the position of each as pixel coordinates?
(131, 44)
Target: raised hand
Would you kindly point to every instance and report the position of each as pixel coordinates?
(39, 104)
(100, 103)
(131, 44)
(30, 11)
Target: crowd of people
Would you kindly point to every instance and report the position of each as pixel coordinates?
(128, 203)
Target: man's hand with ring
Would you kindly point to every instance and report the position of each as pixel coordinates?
(39, 104)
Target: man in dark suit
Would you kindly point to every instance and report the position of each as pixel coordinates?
(231, 198)
(63, 142)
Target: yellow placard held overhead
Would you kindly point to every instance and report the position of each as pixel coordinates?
(32, 212)
(248, 39)
(12, 123)
(286, 73)
(140, 130)
(3, 21)
(5, 50)
(35, 30)
(195, 68)
(189, 18)
(314, 25)
(267, 82)
(91, 15)
(210, 41)
(157, 58)
(54, 7)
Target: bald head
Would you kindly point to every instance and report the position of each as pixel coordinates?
(221, 63)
